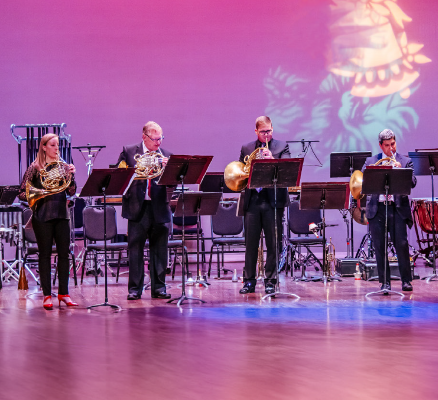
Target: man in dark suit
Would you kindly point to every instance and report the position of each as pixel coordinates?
(259, 209)
(399, 216)
(147, 210)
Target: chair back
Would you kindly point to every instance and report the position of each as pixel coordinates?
(28, 233)
(77, 210)
(93, 218)
(225, 222)
(299, 220)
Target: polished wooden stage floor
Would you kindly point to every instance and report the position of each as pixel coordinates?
(332, 343)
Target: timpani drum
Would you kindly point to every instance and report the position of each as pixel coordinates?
(422, 210)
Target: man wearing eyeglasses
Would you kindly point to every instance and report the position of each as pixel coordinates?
(259, 209)
(147, 210)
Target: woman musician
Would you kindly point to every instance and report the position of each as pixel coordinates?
(50, 219)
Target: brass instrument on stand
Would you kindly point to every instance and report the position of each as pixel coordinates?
(260, 260)
(330, 258)
(148, 165)
(236, 173)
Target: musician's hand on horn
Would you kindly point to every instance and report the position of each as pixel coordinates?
(164, 161)
(72, 168)
(267, 153)
(396, 164)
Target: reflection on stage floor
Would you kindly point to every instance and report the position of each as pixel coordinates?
(332, 343)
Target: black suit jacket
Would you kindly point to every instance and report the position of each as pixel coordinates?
(278, 149)
(133, 200)
(401, 201)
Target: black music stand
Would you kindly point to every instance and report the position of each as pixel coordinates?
(324, 195)
(197, 204)
(214, 182)
(111, 182)
(386, 180)
(342, 165)
(426, 163)
(275, 173)
(182, 169)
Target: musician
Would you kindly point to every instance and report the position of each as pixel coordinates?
(50, 221)
(399, 216)
(259, 209)
(147, 210)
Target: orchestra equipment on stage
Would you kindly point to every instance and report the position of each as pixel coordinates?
(237, 176)
(32, 140)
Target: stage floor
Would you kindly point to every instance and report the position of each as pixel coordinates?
(332, 343)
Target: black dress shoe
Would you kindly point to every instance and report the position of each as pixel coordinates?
(160, 295)
(134, 296)
(248, 287)
(407, 287)
(269, 288)
(385, 286)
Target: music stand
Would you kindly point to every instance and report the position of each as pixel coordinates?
(386, 180)
(182, 169)
(277, 173)
(197, 204)
(342, 165)
(214, 182)
(426, 163)
(92, 152)
(324, 195)
(111, 182)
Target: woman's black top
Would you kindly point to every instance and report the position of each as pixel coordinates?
(49, 207)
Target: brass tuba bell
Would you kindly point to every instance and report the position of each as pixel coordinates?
(55, 178)
(236, 173)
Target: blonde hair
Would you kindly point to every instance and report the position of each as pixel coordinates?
(40, 160)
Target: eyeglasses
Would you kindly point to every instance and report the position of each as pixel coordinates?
(266, 132)
(160, 139)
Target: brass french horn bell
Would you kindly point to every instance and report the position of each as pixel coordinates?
(356, 179)
(148, 165)
(236, 173)
(55, 177)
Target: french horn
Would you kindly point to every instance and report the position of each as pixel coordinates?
(55, 177)
(148, 165)
(236, 172)
(356, 179)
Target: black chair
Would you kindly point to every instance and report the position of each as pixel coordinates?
(190, 231)
(174, 246)
(226, 231)
(30, 247)
(298, 222)
(78, 209)
(93, 218)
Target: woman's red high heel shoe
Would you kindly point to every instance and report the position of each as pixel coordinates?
(47, 303)
(65, 298)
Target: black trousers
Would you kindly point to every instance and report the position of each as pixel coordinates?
(261, 215)
(397, 229)
(45, 233)
(158, 234)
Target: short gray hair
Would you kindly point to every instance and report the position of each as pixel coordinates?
(386, 134)
(151, 125)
